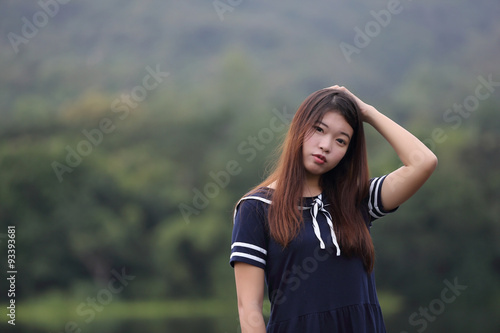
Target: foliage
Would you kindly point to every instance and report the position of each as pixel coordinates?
(93, 188)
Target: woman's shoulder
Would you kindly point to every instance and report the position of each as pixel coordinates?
(258, 195)
(253, 206)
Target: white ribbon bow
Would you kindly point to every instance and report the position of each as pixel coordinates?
(316, 207)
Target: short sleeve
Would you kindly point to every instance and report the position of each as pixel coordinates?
(249, 238)
(375, 207)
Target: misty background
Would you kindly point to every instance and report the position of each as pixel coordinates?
(129, 129)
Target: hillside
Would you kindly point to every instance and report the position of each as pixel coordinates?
(119, 117)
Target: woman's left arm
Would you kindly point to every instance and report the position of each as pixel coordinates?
(418, 161)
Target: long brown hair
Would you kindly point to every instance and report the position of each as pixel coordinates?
(344, 187)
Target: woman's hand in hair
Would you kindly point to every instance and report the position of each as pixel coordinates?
(366, 109)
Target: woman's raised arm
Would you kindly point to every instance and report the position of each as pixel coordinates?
(418, 161)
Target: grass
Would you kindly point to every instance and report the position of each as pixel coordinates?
(54, 312)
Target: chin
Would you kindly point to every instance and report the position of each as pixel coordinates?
(316, 172)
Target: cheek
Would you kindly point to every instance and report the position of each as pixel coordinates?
(308, 142)
(339, 155)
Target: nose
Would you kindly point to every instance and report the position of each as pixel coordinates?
(324, 145)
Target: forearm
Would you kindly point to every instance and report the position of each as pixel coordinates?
(419, 161)
(410, 150)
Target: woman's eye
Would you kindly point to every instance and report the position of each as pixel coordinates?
(341, 141)
(318, 129)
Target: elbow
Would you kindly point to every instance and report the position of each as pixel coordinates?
(241, 306)
(430, 163)
(433, 161)
(251, 317)
(424, 163)
(249, 309)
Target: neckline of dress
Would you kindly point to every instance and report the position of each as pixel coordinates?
(308, 199)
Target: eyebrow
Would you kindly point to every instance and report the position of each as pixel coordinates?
(344, 133)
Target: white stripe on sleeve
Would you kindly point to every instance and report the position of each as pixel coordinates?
(250, 246)
(249, 256)
(373, 205)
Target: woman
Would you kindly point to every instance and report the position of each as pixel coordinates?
(305, 229)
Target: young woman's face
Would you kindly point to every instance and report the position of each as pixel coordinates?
(327, 144)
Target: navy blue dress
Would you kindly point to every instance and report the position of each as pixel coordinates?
(312, 286)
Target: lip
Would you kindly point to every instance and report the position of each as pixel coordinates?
(320, 159)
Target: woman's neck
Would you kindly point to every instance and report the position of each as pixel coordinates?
(311, 187)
